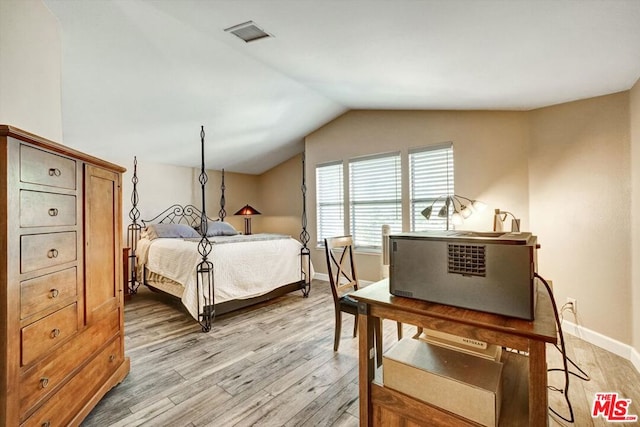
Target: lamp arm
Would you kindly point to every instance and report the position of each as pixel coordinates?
(436, 199)
(462, 197)
(516, 222)
(505, 213)
(453, 201)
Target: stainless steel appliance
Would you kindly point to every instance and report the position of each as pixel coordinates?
(484, 271)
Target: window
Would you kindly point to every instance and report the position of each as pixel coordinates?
(375, 198)
(330, 201)
(430, 176)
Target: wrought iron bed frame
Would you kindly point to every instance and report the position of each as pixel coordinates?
(192, 216)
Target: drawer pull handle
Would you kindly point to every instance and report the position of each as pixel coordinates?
(55, 333)
(44, 382)
(53, 253)
(54, 172)
(112, 357)
(53, 212)
(55, 293)
(46, 424)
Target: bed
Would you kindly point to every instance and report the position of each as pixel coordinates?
(207, 264)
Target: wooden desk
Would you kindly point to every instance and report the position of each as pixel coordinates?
(383, 406)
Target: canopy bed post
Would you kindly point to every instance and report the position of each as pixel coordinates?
(204, 270)
(304, 237)
(133, 232)
(222, 213)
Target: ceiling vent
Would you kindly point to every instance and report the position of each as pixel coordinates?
(248, 31)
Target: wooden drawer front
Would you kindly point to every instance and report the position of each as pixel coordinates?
(39, 209)
(46, 250)
(45, 291)
(49, 374)
(48, 332)
(41, 167)
(61, 407)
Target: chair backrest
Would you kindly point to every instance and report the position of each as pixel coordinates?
(340, 265)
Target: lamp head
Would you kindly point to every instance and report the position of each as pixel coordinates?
(426, 212)
(478, 205)
(466, 212)
(247, 210)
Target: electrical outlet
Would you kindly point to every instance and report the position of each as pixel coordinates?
(572, 305)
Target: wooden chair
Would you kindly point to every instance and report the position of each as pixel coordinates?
(343, 278)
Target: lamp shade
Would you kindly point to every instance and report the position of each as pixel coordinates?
(247, 210)
(426, 212)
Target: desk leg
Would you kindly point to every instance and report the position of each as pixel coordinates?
(366, 365)
(538, 402)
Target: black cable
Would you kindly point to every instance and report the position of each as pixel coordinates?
(583, 377)
(564, 354)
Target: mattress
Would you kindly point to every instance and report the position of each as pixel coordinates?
(244, 266)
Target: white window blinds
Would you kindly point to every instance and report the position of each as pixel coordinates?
(330, 201)
(431, 176)
(375, 198)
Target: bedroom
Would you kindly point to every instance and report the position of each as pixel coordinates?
(555, 167)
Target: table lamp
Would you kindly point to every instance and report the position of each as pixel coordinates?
(247, 211)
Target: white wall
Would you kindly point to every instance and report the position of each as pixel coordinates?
(158, 186)
(580, 208)
(281, 198)
(30, 66)
(635, 215)
(490, 149)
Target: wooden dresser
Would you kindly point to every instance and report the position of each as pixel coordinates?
(61, 299)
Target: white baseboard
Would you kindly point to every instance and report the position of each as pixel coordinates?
(635, 359)
(603, 341)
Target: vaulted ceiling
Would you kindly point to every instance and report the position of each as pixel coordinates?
(139, 77)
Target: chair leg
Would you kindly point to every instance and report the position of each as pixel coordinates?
(355, 326)
(336, 339)
(377, 332)
(399, 325)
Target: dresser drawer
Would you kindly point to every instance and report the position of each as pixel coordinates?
(45, 291)
(48, 332)
(38, 209)
(38, 383)
(59, 409)
(46, 250)
(41, 167)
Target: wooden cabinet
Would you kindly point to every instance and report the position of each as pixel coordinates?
(524, 393)
(61, 307)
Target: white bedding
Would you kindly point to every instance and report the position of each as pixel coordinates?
(244, 266)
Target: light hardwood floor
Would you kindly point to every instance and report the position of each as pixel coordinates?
(274, 365)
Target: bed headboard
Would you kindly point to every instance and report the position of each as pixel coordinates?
(177, 214)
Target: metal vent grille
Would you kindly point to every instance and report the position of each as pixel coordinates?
(399, 293)
(467, 260)
(248, 31)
